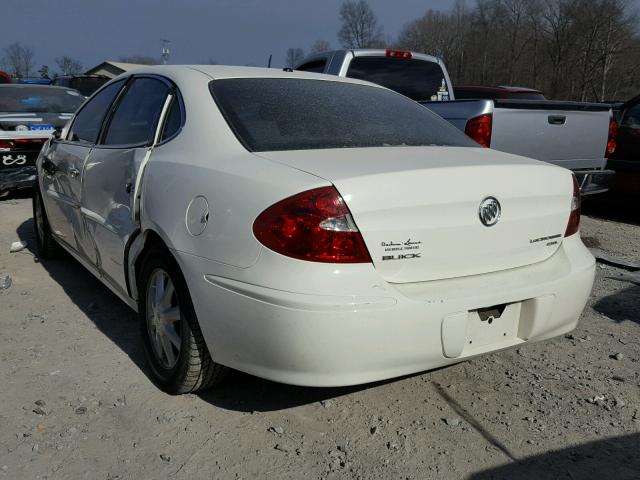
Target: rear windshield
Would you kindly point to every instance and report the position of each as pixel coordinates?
(39, 99)
(417, 79)
(270, 114)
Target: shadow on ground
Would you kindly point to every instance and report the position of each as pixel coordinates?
(621, 306)
(612, 458)
(613, 207)
(239, 391)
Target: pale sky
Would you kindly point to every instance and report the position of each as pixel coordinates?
(227, 31)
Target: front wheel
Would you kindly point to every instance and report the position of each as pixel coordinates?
(46, 246)
(174, 345)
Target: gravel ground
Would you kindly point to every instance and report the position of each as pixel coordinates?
(76, 401)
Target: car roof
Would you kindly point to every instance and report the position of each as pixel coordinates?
(219, 72)
(33, 85)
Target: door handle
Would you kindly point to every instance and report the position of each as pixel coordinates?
(74, 172)
(557, 119)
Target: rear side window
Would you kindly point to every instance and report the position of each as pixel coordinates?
(173, 120)
(88, 121)
(474, 94)
(136, 117)
(417, 79)
(316, 67)
(269, 114)
(632, 117)
(526, 96)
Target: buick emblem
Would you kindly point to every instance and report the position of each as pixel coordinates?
(489, 211)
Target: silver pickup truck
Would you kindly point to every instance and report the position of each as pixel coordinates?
(570, 134)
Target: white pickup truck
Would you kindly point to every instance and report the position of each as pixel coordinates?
(575, 135)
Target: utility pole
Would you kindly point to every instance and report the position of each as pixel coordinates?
(165, 50)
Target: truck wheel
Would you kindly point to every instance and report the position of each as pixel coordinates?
(46, 246)
(174, 345)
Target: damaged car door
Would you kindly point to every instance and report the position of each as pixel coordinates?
(110, 177)
(62, 165)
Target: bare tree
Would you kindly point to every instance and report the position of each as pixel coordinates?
(294, 55)
(360, 27)
(140, 59)
(571, 49)
(320, 46)
(68, 66)
(44, 72)
(19, 59)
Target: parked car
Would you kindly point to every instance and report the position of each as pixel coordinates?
(33, 81)
(308, 230)
(573, 135)
(28, 116)
(475, 92)
(625, 161)
(85, 84)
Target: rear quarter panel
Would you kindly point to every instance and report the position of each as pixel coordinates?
(205, 159)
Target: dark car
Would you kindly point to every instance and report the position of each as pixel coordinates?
(626, 158)
(468, 92)
(29, 114)
(85, 84)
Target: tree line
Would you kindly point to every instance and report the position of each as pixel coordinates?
(586, 50)
(18, 61)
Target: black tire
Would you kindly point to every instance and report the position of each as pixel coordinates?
(46, 246)
(193, 369)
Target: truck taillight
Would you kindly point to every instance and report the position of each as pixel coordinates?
(389, 53)
(315, 225)
(573, 225)
(479, 129)
(611, 140)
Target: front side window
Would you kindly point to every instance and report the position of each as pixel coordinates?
(269, 114)
(88, 121)
(417, 79)
(136, 117)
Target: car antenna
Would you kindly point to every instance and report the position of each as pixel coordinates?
(269, 62)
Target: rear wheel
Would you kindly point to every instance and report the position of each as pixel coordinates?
(46, 246)
(174, 345)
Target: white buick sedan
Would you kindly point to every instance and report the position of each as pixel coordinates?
(306, 229)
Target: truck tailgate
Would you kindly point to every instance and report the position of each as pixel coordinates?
(569, 134)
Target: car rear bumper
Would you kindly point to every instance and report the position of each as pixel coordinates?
(336, 340)
(18, 179)
(595, 181)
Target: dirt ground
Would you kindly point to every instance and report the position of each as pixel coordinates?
(76, 401)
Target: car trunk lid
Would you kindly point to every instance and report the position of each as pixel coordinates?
(418, 207)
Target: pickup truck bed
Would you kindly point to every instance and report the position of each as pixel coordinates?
(570, 134)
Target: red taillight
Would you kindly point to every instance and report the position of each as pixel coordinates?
(574, 217)
(315, 225)
(479, 129)
(389, 53)
(611, 140)
(21, 142)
